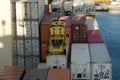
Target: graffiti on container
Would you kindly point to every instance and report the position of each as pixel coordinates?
(102, 73)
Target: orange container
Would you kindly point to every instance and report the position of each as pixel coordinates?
(58, 74)
(44, 48)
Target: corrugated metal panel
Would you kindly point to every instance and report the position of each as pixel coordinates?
(20, 29)
(44, 48)
(92, 24)
(27, 29)
(13, 10)
(28, 61)
(56, 61)
(99, 52)
(28, 47)
(80, 62)
(14, 28)
(35, 47)
(20, 61)
(35, 28)
(26, 10)
(36, 74)
(20, 47)
(101, 62)
(13, 73)
(80, 53)
(94, 36)
(36, 61)
(58, 74)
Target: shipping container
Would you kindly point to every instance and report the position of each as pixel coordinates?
(34, 29)
(58, 74)
(56, 61)
(13, 73)
(28, 47)
(35, 47)
(92, 24)
(36, 74)
(13, 11)
(20, 29)
(101, 62)
(42, 66)
(80, 62)
(94, 36)
(67, 8)
(45, 29)
(27, 10)
(44, 49)
(78, 7)
(20, 47)
(79, 19)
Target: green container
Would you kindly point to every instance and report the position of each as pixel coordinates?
(46, 2)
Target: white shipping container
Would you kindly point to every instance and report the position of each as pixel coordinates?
(67, 5)
(101, 62)
(20, 47)
(92, 24)
(35, 46)
(80, 62)
(27, 29)
(20, 29)
(26, 10)
(20, 61)
(28, 47)
(35, 28)
(28, 61)
(56, 61)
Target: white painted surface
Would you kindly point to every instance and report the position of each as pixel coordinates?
(80, 61)
(101, 62)
(92, 24)
(5, 34)
(58, 61)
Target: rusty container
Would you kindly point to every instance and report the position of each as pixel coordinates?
(13, 73)
(44, 29)
(58, 74)
(44, 48)
(79, 19)
(94, 36)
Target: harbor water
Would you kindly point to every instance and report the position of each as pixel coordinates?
(109, 25)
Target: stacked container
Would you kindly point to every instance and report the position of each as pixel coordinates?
(78, 7)
(12, 73)
(56, 9)
(36, 74)
(80, 62)
(101, 62)
(45, 34)
(79, 29)
(67, 8)
(26, 31)
(58, 74)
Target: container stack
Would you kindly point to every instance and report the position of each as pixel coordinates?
(79, 29)
(26, 20)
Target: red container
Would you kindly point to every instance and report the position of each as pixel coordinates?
(79, 19)
(94, 36)
(44, 48)
(58, 74)
(46, 9)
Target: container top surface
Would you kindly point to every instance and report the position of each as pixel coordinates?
(46, 19)
(67, 19)
(99, 52)
(40, 74)
(92, 24)
(94, 36)
(78, 19)
(58, 74)
(80, 53)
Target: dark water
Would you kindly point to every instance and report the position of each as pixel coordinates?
(109, 24)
